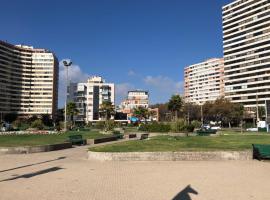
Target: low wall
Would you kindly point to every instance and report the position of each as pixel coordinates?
(171, 156)
(34, 149)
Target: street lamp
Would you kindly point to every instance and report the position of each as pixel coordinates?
(66, 63)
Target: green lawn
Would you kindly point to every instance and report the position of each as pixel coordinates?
(197, 143)
(33, 140)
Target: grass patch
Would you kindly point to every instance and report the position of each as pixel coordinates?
(204, 143)
(34, 140)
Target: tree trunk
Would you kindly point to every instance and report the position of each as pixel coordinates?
(176, 116)
(229, 124)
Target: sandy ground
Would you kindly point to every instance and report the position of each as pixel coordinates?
(68, 175)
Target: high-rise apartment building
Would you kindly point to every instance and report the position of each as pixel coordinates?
(28, 80)
(89, 96)
(204, 81)
(246, 47)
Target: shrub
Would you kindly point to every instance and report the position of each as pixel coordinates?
(37, 124)
(182, 125)
(116, 132)
(196, 124)
(109, 125)
(155, 127)
(20, 125)
(100, 125)
(179, 125)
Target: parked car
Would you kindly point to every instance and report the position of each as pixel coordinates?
(216, 128)
(252, 129)
(206, 126)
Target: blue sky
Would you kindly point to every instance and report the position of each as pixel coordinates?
(137, 44)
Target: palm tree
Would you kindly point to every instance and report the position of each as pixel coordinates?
(141, 113)
(72, 111)
(175, 104)
(106, 110)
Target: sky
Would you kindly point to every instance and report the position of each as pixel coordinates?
(136, 44)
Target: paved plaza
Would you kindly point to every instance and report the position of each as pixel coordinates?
(67, 174)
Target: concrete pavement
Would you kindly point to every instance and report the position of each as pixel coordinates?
(68, 175)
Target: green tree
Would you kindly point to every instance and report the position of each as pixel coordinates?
(38, 124)
(10, 117)
(142, 113)
(72, 111)
(175, 105)
(106, 111)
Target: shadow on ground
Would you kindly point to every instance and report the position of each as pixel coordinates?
(60, 158)
(184, 194)
(30, 175)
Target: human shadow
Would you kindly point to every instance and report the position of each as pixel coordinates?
(60, 158)
(30, 175)
(184, 194)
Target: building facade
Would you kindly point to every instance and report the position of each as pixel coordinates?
(204, 81)
(136, 99)
(28, 80)
(89, 96)
(246, 48)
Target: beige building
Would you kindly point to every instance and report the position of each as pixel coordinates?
(246, 47)
(28, 80)
(204, 81)
(89, 96)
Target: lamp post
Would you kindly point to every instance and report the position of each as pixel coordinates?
(67, 63)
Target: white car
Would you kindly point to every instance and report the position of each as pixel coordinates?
(252, 129)
(216, 128)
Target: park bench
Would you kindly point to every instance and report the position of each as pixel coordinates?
(132, 135)
(261, 151)
(77, 140)
(206, 132)
(144, 136)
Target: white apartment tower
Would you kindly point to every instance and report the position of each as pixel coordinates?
(246, 48)
(28, 80)
(204, 81)
(89, 96)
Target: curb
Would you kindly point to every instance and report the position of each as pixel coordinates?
(34, 149)
(171, 156)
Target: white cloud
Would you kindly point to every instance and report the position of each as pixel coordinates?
(121, 91)
(164, 84)
(75, 74)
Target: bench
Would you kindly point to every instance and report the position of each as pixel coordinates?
(206, 132)
(144, 136)
(261, 151)
(132, 135)
(77, 140)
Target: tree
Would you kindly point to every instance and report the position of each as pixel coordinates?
(72, 111)
(10, 117)
(162, 109)
(141, 112)
(261, 112)
(106, 110)
(46, 120)
(175, 104)
(191, 112)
